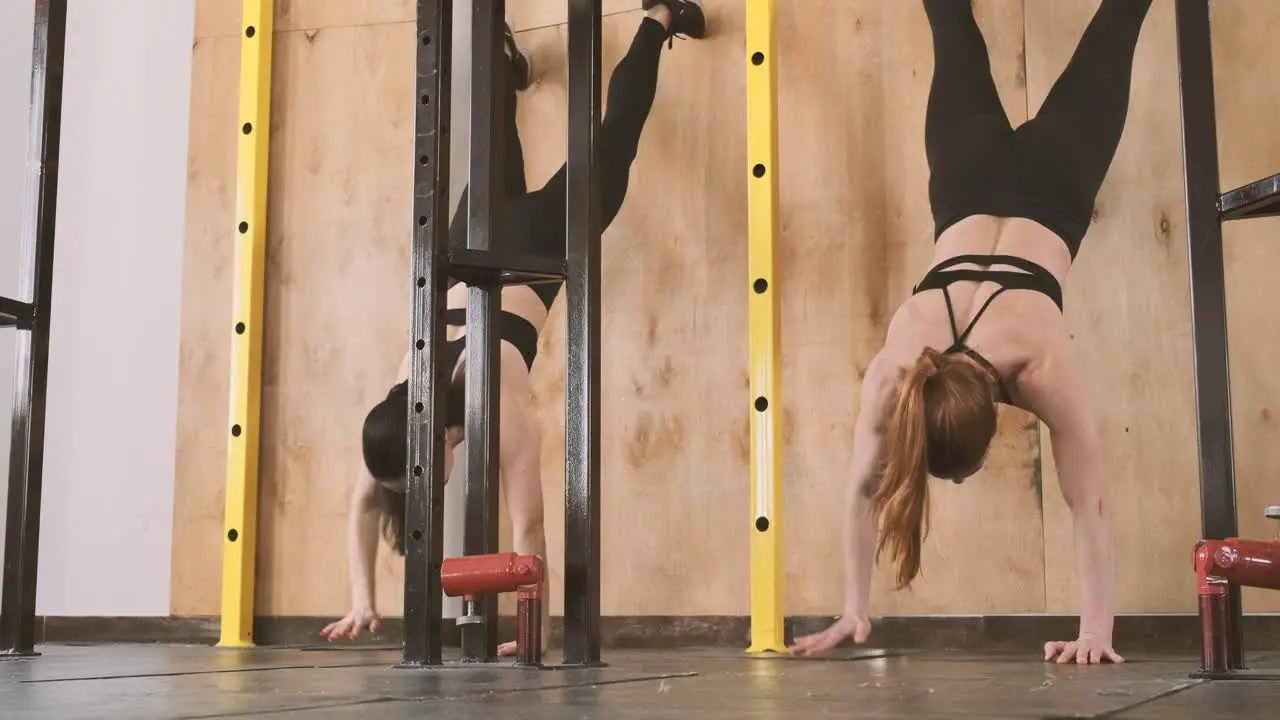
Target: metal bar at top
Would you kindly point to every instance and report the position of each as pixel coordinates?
(582, 341)
(424, 501)
(1208, 288)
(14, 313)
(240, 530)
(767, 633)
(31, 350)
(1260, 198)
(483, 365)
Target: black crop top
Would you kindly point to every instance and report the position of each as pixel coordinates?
(1029, 276)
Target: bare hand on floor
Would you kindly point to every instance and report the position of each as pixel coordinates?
(1084, 651)
(350, 626)
(857, 628)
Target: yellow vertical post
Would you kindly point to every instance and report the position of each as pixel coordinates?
(765, 347)
(240, 531)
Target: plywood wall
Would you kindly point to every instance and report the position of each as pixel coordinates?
(856, 236)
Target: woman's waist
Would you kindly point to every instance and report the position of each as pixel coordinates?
(993, 242)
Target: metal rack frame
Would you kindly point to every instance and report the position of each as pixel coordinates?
(486, 265)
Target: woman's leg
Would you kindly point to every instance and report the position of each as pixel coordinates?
(968, 140)
(520, 469)
(1068, 147)
(632, 87)
(514, 185)
(517, 78)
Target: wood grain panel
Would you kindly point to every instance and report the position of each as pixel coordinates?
(205, 358)
(1126, 302)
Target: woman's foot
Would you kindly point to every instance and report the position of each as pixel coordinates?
(521, 66)
(681, 17)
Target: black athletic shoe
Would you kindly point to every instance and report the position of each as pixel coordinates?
(686, 17)
(521, 67)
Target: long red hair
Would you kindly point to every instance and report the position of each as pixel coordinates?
(942, 425)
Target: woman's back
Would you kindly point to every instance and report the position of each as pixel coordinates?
(1016, 329)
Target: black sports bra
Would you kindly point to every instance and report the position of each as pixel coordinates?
(1029, 276)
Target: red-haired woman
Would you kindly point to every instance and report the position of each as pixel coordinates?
(985, 326)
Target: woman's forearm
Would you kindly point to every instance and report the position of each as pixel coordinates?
(859, 551)
(1095, 568)
(362, 553)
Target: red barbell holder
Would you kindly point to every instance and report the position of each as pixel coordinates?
(1221, 564)
(474, 575)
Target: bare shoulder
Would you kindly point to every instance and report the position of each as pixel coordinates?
(1050, 384)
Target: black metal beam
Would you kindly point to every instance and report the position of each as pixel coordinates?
(1208, 288)
(15, 313)
(484, 300)
(424, 504)
(1257, 199)
(26, 452)
(503, 268)
(582, 385)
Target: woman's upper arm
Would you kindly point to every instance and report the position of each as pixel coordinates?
(364, 495)
(877, 395)
(1054, 391)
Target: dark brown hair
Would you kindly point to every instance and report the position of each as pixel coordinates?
(391, 504)
(942, 425)
(385, 448)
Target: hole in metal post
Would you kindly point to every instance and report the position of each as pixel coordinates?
(418, 407)
(235, 431)
(762, 404)
(239, 328)
(422, 282)
(232, 535)
(422, 220)
(420, 344)
(757, 58)
(417, 534)
(758, 170)
(426, 99)
(760, 285)
(243, 227)
(250, 31)
(762, 524)
(417, 471)
(246, 128)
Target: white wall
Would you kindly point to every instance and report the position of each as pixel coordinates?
(106, 534)
(15, 85)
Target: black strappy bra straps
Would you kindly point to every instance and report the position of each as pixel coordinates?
(959, 337)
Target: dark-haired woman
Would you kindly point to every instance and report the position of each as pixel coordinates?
(533, 222)
(984, 326)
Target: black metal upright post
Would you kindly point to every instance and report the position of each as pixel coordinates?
(484, 300)
(582, 386)
(1208, 289)
(424, 504)
(30, 312)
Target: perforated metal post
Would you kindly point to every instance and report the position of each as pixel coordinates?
(764, 317)
(424, 504)
(240, 521)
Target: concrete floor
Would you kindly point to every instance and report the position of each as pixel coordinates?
(154, 681)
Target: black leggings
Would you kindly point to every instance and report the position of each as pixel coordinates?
(534, 222)
(1049, 169)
